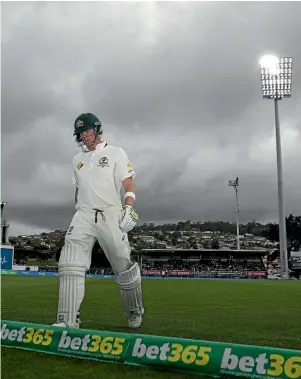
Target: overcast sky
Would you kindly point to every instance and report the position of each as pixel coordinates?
(177, 85)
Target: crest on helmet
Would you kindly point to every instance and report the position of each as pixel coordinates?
(79, 123)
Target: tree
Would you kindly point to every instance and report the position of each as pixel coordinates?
(215, 244)
(131, 236)
(174, 238)
(180, 226)
(293, 231)
(140, 245)
(35, 242)
(192, 242)
(12, 241)
(206, 244)
(162, 238)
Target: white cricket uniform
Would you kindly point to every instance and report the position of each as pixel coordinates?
(98, 175)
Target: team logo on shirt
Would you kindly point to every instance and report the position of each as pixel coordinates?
(79, 165)
(103, 162)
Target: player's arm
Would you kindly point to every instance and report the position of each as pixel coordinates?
(75, 196)
(129, 216)
(75, 181)
(125, 172)
(129, 189)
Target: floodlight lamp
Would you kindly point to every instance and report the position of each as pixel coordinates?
(232, 183)
(276, 76)
(270, 63)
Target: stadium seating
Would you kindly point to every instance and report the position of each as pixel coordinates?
(195, 265)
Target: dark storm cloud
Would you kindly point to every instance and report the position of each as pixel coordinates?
(175, 84)
(49, 217)
(201, 74)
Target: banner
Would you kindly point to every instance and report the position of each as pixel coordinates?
(296, 262)
(191, 356)
(9, 272)
(23, 267)
(7, 257)
(214, 358)
(257, 274)
(149, 274)
(179, 273)
(157, 273)
(83, 343)
(37, 273)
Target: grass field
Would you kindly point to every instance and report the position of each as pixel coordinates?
(249, 312)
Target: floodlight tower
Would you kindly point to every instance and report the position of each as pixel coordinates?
(3, 203)
(235, 184)
(4, 224)
(276, 84)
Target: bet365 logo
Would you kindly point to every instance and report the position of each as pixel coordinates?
(27, 335)
(172, 352)
(273, 365)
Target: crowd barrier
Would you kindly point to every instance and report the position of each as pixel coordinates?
(45, 273)
(220, 276)
(207, 358)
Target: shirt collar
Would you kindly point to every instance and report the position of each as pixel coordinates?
(101, 145)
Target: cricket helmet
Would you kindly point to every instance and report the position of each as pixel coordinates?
(86, 121)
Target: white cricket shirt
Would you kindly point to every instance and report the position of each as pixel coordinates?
(99, 174)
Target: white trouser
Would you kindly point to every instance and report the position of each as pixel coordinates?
(83, 231)
(75, 260)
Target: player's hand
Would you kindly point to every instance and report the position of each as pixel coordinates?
(128, 219)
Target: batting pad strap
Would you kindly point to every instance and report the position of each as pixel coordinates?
(71, 291)
(72, 268)
(129, 283)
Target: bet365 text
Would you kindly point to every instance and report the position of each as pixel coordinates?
(173, 352)
(27, 335)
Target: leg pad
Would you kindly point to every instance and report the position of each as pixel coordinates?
(129, 283)
(71, 292)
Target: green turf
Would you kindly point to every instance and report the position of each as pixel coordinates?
(249, 312)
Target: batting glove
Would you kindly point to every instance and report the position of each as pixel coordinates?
(128, 219)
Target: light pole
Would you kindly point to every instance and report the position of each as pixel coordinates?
(4, 224)
(276, 83)
(3, 203)
(235, 184)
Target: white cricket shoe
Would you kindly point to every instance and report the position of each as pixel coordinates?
(135, 319)
(66, 325)
(74, 325)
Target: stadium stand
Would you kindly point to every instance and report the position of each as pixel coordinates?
(203, 263)
(184, 263)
